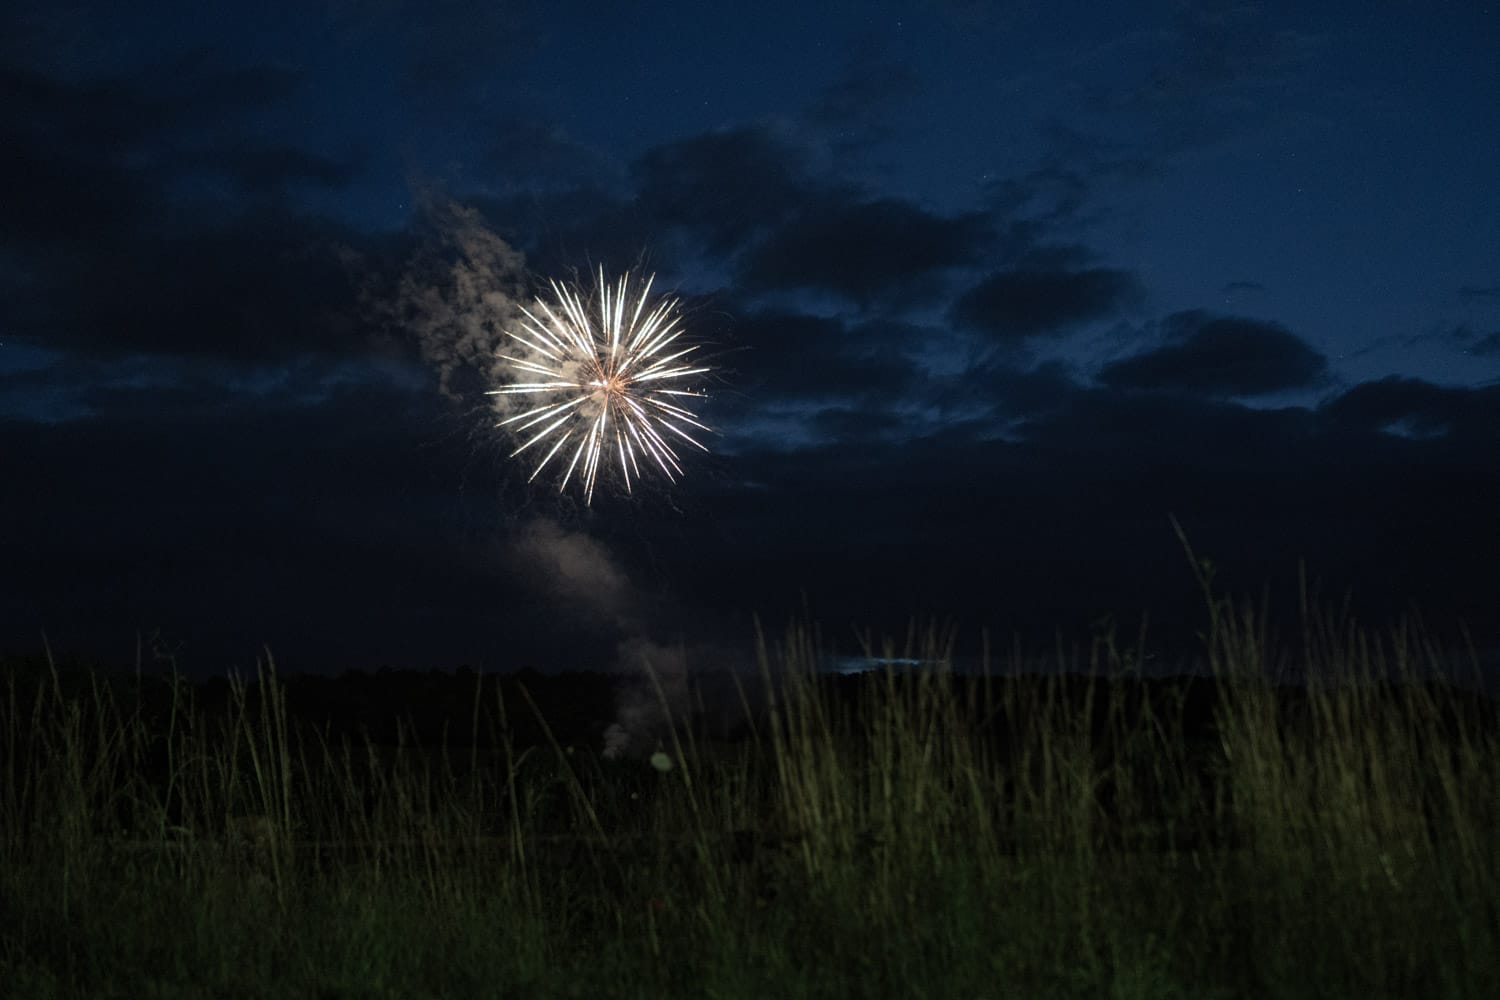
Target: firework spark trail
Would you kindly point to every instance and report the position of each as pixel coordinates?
(607, 382)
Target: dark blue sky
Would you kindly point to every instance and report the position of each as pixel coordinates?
(992, 289)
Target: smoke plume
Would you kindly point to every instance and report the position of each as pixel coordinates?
(458, 295)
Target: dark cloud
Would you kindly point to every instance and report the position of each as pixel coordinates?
(1020, 303)
(971, 14)
(1217, 69)
(249, 518)
(153, 222)
(1479, 293)
(1034, 394)
(569, 229)
(1071, 519)
(258, 287)
(1060, 195)
(188, 114)
(267, 171)
(350, 524)
(122, 261)
(538, 157)
(62, 172)
(197, 89)
(1449, 338)
(1222, 67)
(1242, 287)
(726, 186)
(857, 426)
(1459, 338)
(794, 381)
(865, 251)
(1224, 43)
(1220, 356)
(857, 109)
(194, 90)
(790, 357)
(68, 387)
(451, 46)
(55, 199)
(1040, 199)
(1417, 407)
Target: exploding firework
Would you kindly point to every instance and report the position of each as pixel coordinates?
(609, 379)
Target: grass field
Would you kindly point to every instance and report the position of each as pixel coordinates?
(1089, 833)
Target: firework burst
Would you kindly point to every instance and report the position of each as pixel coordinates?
(605, 377)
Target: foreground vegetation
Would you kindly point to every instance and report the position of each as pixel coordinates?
(1088, 833)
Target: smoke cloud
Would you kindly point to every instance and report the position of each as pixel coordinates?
(641, 717)
(657, 686)
(577, 570)
(458, 295)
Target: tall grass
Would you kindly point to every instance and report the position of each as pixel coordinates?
(1083, 833)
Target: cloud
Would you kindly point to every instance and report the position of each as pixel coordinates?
(1070, 514)
(1022, 302)
(537, 157)
(799, 379)
(576, 569)
(264, 287)
(1034, 394)
(267, 171)
(802, 379)
(1479, 293)
(452, 46)
(329, 528)
(856, 110)
(102, 159)
(59, 188)
(1417, 407)
(71, 387)
(260, 287)
(1223, 66)
(972, 14)
(865, 90)
(1041, 199)
(1459, 338)
(1220, 356)
(128, 251)
(728, 186)
(1455, 338)
(348, 529)
(865, 251)
(1153, 91)
(796, 356)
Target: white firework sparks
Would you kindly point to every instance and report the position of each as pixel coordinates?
(609, 380)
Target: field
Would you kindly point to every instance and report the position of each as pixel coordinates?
(1086, 832)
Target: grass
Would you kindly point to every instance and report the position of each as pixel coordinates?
(1087, 833)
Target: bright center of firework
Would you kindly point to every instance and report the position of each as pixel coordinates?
(586, 365)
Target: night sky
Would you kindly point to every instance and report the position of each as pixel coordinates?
(991, 290)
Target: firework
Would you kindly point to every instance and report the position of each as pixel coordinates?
(606, 379)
